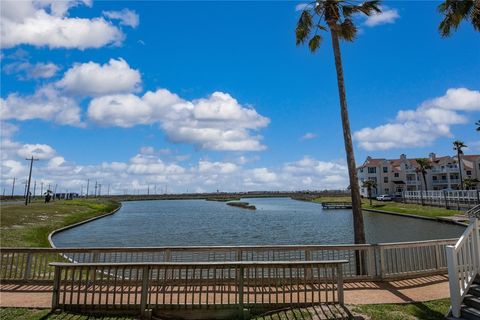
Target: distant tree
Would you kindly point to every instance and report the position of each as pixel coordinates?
(458, 146)
(337, 16)
(471, 183)
(456, 11)
(369, 184)
(423, 166)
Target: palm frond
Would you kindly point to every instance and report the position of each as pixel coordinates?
(304, 26)
(315, 42)
(347, 30)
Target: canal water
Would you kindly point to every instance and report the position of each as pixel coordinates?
(276, 221)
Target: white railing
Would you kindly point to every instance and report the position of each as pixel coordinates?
(463, 261)
(365, 262)
(456, 199)
(474, 212)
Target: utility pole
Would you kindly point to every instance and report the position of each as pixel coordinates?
(27, 199)
(96, 186)
(99, 190)
(41, 189)
(155, 189)
(13, 187)
(34, 188)
(148, 190)
(88, 184)
(108, 190)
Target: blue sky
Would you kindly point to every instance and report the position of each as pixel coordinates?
(240, 106)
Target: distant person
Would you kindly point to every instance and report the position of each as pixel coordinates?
(48, 197)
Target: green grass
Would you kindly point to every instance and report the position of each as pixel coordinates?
(398, 207)
(44, 314)
(432, 310)
(29, 226)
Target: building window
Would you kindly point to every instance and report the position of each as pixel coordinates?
(361, 170)
(469, 173)
(396, 175)
(387, 190)
(434, 178)
(372, 170)
(385, 179)
(385, 169)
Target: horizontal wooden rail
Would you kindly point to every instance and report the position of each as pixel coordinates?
(90, 287)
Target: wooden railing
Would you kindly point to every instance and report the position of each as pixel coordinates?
(456, 199)
(365, 262)
(90, 287)
(463, 265)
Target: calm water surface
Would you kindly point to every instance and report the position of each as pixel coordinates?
(276, 221)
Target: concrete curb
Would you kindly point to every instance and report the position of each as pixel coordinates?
(437, 219)
(78, 224)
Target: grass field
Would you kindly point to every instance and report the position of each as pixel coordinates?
(397, 207)
(45, 314)
(29, 226)
(432, 310)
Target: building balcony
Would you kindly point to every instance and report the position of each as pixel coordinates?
(440, 181)
(412, 182)
(444, 170)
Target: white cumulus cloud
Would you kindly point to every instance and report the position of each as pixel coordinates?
(422, 126)
(46, 23)
(93, 79)
(45, 104)
(218, 122)
(27, 70)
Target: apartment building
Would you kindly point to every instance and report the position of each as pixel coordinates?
(393, 176)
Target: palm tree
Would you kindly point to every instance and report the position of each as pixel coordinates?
(369, 184)
(456, 11)
(458, 146)
(336, 16)
(478, 125)
(470, 183)
(423, 166)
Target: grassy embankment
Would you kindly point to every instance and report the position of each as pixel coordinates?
(46, 314)
(432, 310)
(29, 226)
(398, 207)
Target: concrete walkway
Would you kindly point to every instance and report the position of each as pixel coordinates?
(403, 291)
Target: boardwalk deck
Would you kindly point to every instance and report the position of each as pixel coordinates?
(337, 205)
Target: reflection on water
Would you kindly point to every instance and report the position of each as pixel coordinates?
(276, 221)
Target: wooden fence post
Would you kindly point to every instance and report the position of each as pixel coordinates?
(145, 289)
(308, 257)
(340, 284)
(28, 266)
(240, 287)
(446, 199)
(56, 288)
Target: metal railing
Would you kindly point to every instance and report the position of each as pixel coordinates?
(365, 262)
(463, 265)
(89, 287)
(457, 199)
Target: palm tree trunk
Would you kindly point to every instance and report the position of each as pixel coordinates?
(460, 169)
(424, 181)
(359, 231)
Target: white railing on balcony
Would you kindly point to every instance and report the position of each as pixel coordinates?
(463, 261)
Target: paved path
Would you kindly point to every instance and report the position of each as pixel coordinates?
(404, 291)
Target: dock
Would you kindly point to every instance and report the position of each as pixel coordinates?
(336, 205)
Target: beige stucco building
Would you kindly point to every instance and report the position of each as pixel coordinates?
(393, 176)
